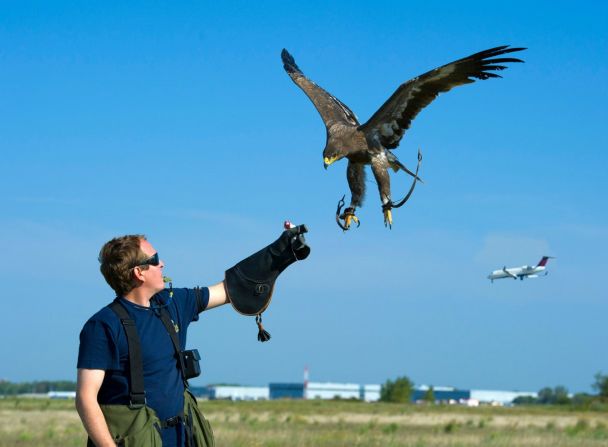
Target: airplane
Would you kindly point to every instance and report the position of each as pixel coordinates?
(521, 272)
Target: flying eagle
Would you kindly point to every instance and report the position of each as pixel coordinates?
(372, 143)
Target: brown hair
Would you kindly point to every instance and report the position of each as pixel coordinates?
(117, 258)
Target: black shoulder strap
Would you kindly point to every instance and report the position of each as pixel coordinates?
(137, 391)
(170, 327)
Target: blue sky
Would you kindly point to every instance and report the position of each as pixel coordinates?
(176, 119)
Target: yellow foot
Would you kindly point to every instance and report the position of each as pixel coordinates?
(349, 218)
(388, 218)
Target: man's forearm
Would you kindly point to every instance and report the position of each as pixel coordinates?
(94, 422)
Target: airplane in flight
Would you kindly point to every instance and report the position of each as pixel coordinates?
(521, 272)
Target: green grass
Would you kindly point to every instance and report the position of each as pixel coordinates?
(38, 422)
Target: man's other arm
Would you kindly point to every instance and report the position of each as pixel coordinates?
(88, 384)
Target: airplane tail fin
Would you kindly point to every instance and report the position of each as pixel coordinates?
(544, 261)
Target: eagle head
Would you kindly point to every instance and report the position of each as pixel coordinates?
(342, 141)
(332, 154)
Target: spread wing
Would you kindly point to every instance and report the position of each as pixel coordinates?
(332, 110)
(389, 123)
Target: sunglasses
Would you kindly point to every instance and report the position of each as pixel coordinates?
(152, 260)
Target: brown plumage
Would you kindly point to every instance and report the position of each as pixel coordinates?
(371, 143)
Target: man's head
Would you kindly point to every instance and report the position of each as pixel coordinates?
(130, 261)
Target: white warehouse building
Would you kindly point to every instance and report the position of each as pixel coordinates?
(370, 393)
(238, 392)
(497, 397)
(331, 390)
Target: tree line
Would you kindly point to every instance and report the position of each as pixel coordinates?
(400, 391)
(12, 389)
(559, 395)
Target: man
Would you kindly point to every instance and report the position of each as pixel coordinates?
(132, 267)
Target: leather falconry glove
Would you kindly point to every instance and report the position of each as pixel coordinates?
(250, 283)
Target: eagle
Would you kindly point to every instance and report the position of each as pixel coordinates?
(373, 142)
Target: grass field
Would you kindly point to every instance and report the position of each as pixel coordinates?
(35, 422)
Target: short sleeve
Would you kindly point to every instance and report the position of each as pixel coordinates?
(202, 298)
(98, 349)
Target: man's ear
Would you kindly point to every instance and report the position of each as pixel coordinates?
(138, 273)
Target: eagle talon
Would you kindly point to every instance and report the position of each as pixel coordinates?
(348, 216)
(388, 215)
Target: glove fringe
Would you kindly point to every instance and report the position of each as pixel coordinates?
(263, 335)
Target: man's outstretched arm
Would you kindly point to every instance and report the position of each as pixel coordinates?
(217, 295)
(265, 266)
(89, 382)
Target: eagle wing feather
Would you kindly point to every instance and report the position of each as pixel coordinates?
(394, 117)
(331, 109)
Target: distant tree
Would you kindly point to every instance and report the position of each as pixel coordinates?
(553, 396)
(429, 395)
(398, 391)
(525, 400)
(601, 385)
(560, 395)
(546, 396)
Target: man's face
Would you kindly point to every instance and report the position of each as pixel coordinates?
(153, 276)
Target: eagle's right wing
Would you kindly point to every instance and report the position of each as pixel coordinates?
(331, 109)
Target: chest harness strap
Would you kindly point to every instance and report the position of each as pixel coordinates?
(170, 327)
(137, 393)
(136, 375)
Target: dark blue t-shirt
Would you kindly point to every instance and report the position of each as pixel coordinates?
(103, 345)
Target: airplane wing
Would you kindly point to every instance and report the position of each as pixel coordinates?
(504, 269)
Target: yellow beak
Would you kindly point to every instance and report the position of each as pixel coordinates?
(328, 160)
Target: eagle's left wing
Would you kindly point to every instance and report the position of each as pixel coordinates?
(331, 109)
(391, 120)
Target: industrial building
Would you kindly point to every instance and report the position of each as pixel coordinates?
(494, 397)
(370, 393)
(61, 394)
(367, 393)
(330, 390)
(441, 394)
(450, 395)
(286, 390)
(238, 392)
(324, 390)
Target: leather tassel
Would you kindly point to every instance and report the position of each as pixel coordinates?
(263, 335)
